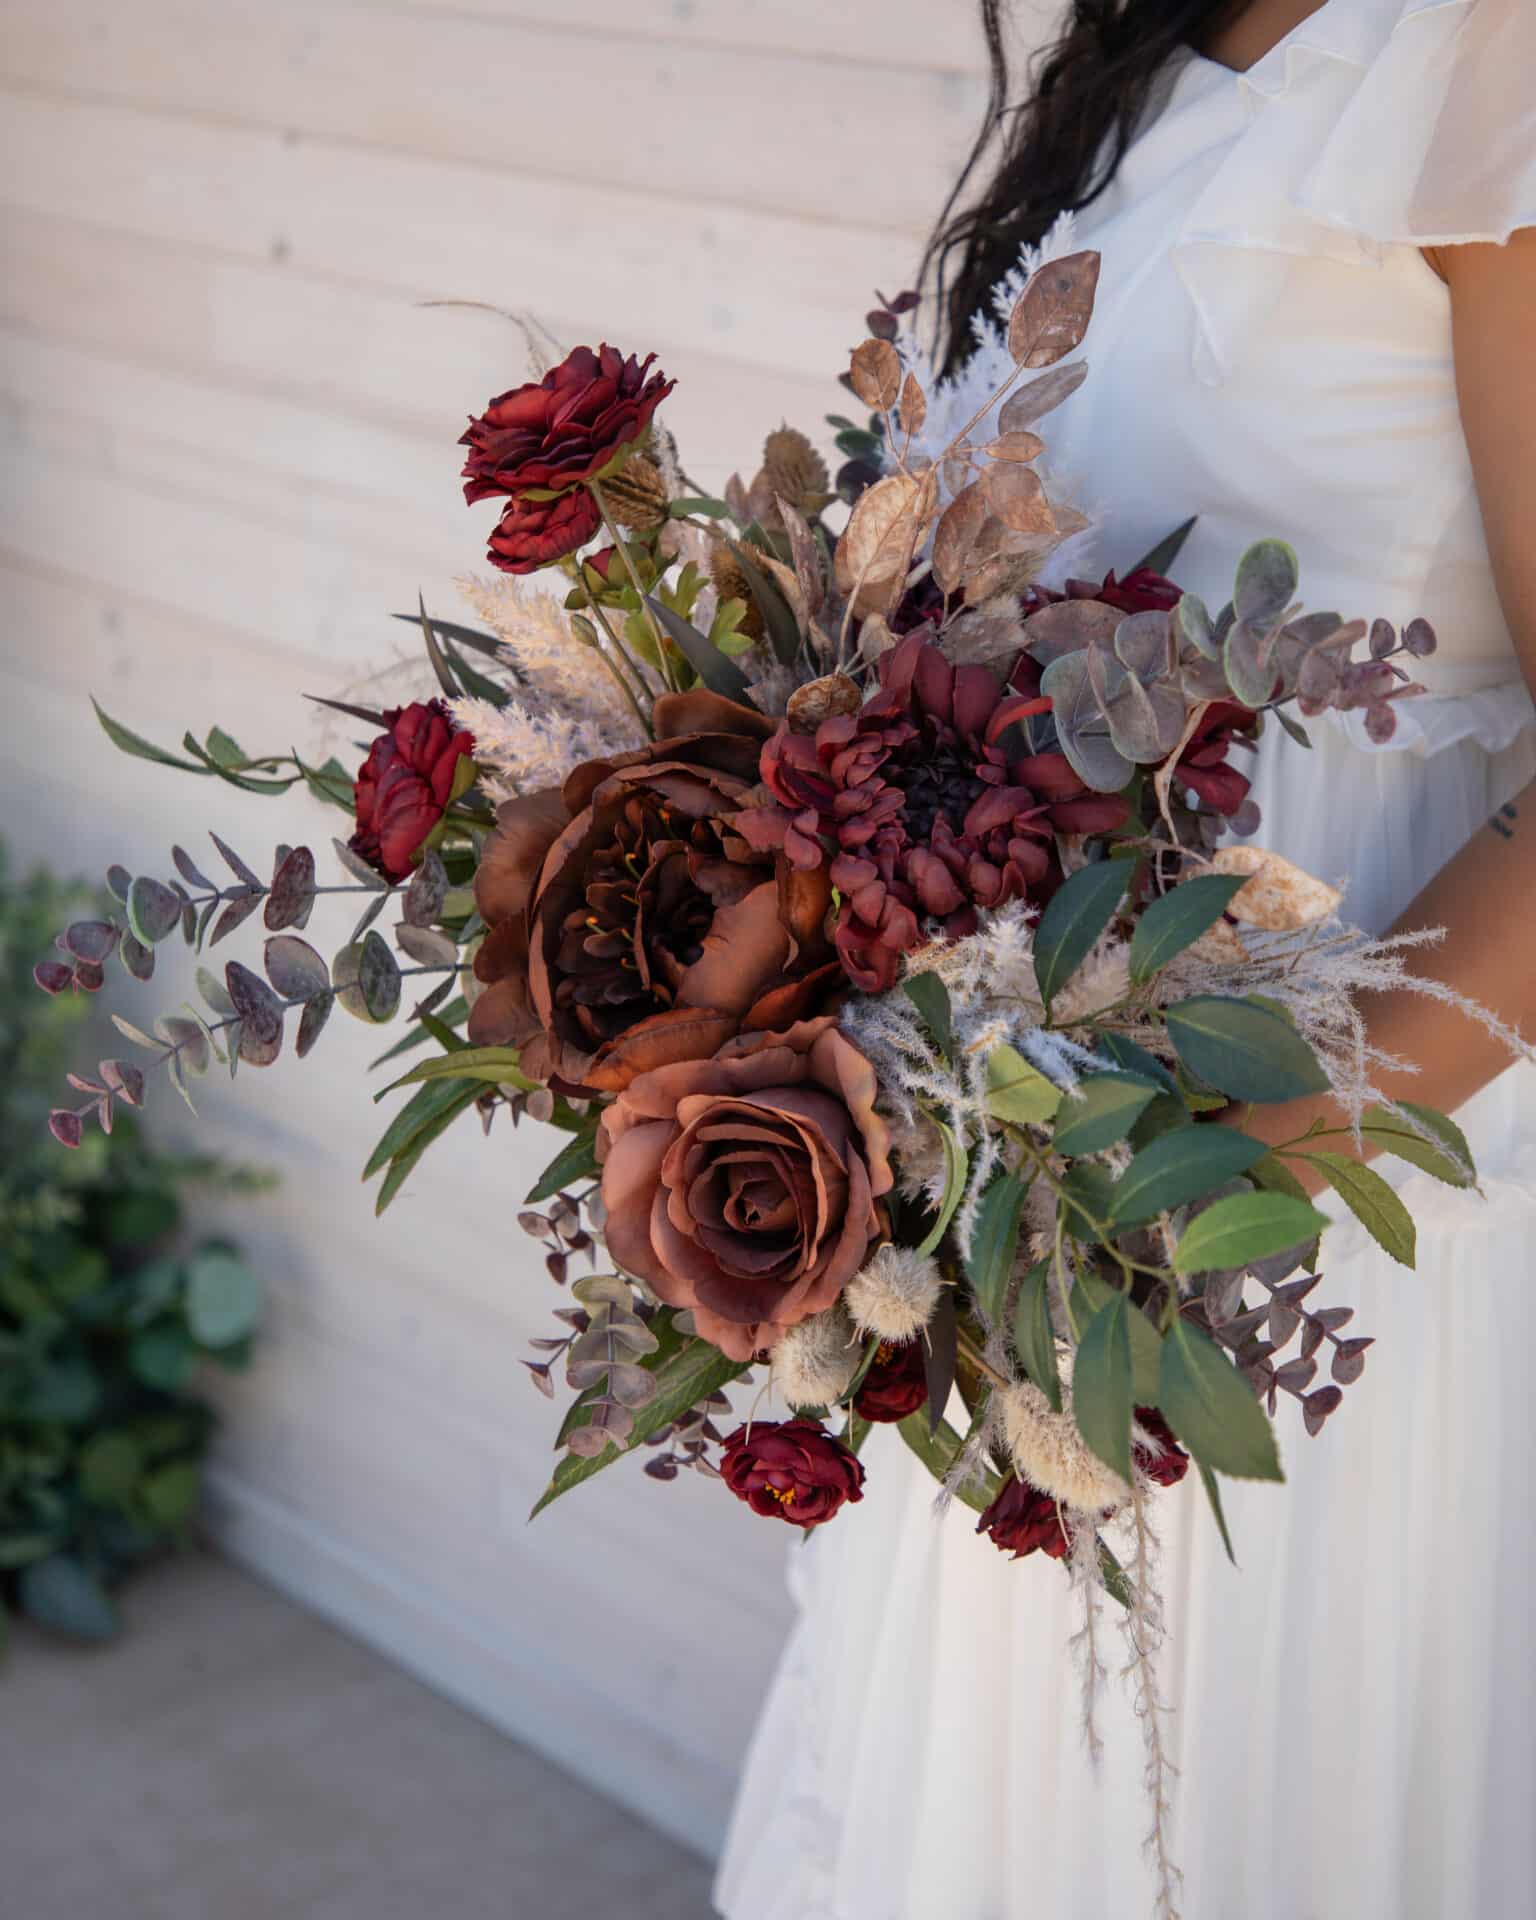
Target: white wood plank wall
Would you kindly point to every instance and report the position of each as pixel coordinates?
(228, 449)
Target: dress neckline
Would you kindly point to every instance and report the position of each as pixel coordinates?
(1272, 53)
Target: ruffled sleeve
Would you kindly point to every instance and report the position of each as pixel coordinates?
(1376, 124)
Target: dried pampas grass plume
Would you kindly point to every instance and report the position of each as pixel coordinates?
(814, 1362)
(1050, 1453)
(895, 1295)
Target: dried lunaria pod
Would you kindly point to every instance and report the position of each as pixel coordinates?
(884, 531)
(1051, 315)
(875, 371)
(819, 700)
(1278, 897)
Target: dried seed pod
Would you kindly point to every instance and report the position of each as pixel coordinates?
(795, 470)
(637, 495)
(819, 700)
(731, 584)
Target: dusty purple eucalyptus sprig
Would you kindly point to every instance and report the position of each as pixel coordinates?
(1256, 1336)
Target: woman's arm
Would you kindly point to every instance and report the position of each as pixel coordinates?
(1485, 897)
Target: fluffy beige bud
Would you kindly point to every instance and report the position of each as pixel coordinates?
(895, 1295)
(1051, 1454)
(814, 1362)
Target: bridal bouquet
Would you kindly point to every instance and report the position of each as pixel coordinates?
(864, 913)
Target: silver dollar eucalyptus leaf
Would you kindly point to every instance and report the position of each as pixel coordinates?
(1249, 660)
(1081, 726)
(1267, 578)
(1144, 643)
(1195, 627)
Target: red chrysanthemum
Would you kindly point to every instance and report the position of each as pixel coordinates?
(926, 805)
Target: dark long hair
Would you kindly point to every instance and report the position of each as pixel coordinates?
(1060, 147)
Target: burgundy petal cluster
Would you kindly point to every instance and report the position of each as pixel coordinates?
(403, 788)
(925, 806)
(539, 445)
(791, 1470)
(1024, 1520)
(896, 1384)
(1141, 591)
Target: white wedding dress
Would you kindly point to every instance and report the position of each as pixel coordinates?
(1354, 1708)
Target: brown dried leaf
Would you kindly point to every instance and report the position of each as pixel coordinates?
(788, 583)
(804, 555)
(1016, 446)
(875, 371)
(1052, 314)
(1016, 495)
(914, 405)
(1279, 897)
(875, 637)
(958, 529)
(983, 635)
(957, 469)
(1039, 397)
(883, 532)
(1009, 572)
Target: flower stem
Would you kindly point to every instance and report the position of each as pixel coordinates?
(622, 549)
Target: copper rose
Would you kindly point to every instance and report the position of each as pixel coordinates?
(630, 924)
(791, 1470)
(564, 429)
(748, 1187)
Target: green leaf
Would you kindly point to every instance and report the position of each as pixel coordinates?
(109, 1467)
(1371, 1200)
(1101, 1387)
(421, 1110)
(1213, 1494)
(127, 741)
(163, 1356)
(1034, 1340)
(224, 1298)
(18, 1549)
(1243, 1228)
(497, 1065)
(718, 673)
(444, 1021)
(1274, 1176)
(170, 1493)
(575, 1161)
(1103, 1110)
(994, 1243)
(1244, 1049)
(62, 1594)
(938, 1450)
(1091, 1294)
(1136, 1061)
(930, 996)
(1178, 919)
(681, 1382)
(778, 617)
(1211, 1408)
(1162, 557)
(463, 1094)
(956, 1167)
(1018, 1092)
(699, 504)
(1179, 1167)
(1078, 913)
(1089, 1192)
(1450, 1160)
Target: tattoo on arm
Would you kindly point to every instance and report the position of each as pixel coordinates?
(1505, 821)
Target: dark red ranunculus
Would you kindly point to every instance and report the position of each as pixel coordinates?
(1023, 1520)
(791, 1470)
(533, 533)
(405, 784)
(1203, 764)
(927, 804)
(1168, 1463)
(1142, 591)
(896, 1384)
(564, 429)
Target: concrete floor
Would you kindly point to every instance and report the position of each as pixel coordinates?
(234, 1758)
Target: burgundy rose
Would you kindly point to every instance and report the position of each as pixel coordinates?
(927, 804)
(791, 1470)
(748, 1188)
(533, 533)
(1023, 1520)
(405, 784)
(629, 922)
(896, 1384)
(564, 429)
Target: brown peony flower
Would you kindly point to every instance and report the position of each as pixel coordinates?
(926, 805)
(405, 784)
(747, 1187)
(1023, 1520)
(630, 924)
(564, 429)
(533, 533)
(791, 1470)
(896, 1384)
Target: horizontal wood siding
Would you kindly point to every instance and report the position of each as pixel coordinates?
(228, 455)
